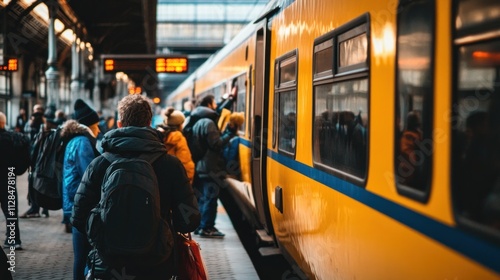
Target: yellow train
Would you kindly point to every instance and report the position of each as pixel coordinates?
(370, 148)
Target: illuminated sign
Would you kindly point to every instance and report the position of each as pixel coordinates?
(144, 63)
(10, 66)
(172, 65)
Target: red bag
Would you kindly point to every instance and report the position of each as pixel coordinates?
(190, 263)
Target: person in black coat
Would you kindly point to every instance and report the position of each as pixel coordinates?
(132, 138)
(211, 169)
(14, 160)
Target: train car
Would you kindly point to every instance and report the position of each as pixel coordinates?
(371, 143)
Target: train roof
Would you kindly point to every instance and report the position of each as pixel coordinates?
(214, 59)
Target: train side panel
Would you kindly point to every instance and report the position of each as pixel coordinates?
(333, 236)
(335, 229)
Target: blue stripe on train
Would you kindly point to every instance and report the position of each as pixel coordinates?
(481, 251)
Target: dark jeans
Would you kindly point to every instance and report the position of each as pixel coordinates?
(207, 192)
(11, 217)
(81, 249)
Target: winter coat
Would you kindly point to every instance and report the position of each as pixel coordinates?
(79, 152)
(176, 145)
(176, 194)
(213, 163)
(14, 155)
(231, 155)
(32, 127)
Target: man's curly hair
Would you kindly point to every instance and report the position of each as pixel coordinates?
(135, 110)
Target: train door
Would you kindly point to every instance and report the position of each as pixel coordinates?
(259, 126)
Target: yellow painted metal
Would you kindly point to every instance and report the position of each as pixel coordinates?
(330, 235)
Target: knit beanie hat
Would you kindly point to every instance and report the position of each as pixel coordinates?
(173, 117)
(84, 114)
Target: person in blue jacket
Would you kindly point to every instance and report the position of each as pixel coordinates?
(80, 134)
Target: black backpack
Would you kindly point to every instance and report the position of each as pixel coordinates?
(126, 227)
(46, 178)
(197, 147)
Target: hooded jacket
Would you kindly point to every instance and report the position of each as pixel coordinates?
(176, 194)
(212, 165)
(177, 146)
(14, 151)
(78, 154)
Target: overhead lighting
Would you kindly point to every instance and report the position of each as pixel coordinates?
(58, 25)
(68, 35)
(41, 11)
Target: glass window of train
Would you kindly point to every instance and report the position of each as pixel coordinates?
(275, 117)
(341, 86)
(472, 14)
(285, 116)
(249, 109)
(414, 99)
(276, 102)
(219, 92)
(277, 74)
(340, 128)
(353, 50)
(288, 72)
(476, 136)
(287, 122)
(241, 95)
(323, 59)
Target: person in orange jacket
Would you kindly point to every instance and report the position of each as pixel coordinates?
(410, 165)
(174, 140)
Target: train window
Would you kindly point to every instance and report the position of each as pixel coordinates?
(476, 121)
(341, 101)
(285, 117)
(323, 59)
(275, 117)
(276, 103)
(414, 98)
(472, 13)
(287, 121)
(241, 94)
(287, 71)
(353, 52)
(219, 91)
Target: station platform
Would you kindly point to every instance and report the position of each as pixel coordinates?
(48, 251)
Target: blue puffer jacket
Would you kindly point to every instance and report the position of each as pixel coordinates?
(80, 151)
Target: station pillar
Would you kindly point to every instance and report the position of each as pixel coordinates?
(52, 74)
(75, 61)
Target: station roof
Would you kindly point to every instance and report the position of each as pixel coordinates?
(118, 26)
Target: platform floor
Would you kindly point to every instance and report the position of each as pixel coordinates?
(48, 251)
